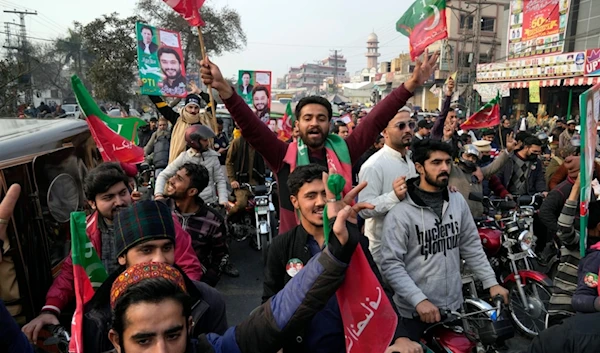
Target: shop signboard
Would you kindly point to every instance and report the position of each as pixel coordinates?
(536, 27)
(550, 66)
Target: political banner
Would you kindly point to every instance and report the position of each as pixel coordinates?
(160, 62)
(534, 91)
(589, 103)
(255, 88)
(536, 27)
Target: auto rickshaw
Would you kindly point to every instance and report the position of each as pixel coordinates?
(49, 159)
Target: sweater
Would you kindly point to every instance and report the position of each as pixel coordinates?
(585, 299)
(274, 150)
(421, 253)
(380, 171)
(210, 160)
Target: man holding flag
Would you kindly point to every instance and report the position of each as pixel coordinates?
(106, 190)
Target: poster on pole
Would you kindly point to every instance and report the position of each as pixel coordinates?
(255, 88)
(589, 102)
(536, 27)
(160, 62)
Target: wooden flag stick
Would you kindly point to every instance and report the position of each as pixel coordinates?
(210, 94)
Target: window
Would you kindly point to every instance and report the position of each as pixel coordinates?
(487, 24)
(466, 22)
(54, 93)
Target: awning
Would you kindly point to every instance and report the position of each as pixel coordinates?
(582, 81)
(550, 83)
(520, 84)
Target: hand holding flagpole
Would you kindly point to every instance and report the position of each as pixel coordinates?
(205, 57)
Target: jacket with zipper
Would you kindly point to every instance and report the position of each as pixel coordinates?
(210, 160)
(421, 253)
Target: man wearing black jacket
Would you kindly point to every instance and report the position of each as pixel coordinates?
(291, 251)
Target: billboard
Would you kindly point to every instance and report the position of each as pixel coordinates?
(160, 62)
(536, 27)
(255, 88)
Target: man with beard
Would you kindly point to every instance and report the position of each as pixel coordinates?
(205, 225)
(198, 137)
(315, 145)
(260, 101)
(106, 191)
(424, 239)
(174, 82)
(151, 309)
(462, 178)
(188, 116)
(525, 174)
(387, 171)
(565, 137)
(145, 232)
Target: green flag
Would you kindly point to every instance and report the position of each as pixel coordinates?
(126, 127)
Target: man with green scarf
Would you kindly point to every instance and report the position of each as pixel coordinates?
(313, 115)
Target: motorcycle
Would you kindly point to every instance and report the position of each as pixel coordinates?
(479, 327)
(509, 242)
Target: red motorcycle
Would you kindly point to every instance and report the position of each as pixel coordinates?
(508, 240)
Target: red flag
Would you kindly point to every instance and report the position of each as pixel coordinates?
(487, 116)
(113, 147)
(285, 133)
(188, 9)
(369, 318)
(423, 23)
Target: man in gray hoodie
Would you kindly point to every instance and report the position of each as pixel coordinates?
(424, 238)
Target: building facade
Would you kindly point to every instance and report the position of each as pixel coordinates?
(311, 75)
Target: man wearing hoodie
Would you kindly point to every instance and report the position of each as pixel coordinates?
(424, 238)
(198, 138)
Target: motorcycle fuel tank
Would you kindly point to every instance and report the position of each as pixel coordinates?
(454, 342)
(491, 240)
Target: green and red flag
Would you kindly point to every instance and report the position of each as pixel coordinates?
(88, 272)
(126, 127)
(487, 116)
(423, 23)
(113, 147)
(189, 10)
(285, 133)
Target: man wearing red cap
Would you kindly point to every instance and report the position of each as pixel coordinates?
(106, 188)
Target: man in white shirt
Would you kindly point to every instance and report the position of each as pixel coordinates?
(387, 171)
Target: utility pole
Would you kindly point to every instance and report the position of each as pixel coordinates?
(24, 49)
(335, 69)
(9, 43)
(475, 45)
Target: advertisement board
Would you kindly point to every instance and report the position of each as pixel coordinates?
(160, 62)
(536, 27)
(255, 88)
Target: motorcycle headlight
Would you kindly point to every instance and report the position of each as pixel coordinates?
(262, 202)
(526, 240)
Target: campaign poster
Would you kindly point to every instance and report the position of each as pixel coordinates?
(589, 102)
(160, 62)
(255, 88)
(536, 27)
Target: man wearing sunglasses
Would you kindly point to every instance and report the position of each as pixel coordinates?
(387, 171)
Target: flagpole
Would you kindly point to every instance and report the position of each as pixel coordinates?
(205, 56)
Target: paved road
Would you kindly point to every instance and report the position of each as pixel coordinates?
(243, 294)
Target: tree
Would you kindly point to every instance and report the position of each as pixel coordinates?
(71, 48)
(10, 76)
(222, 33)
(48, 69)
(110, 42)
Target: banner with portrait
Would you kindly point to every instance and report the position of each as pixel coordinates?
(255, 88)
(536, 27)
(160, 62)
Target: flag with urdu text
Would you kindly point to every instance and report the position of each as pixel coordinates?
(126, 127)
(113, 147)
(423, 23)
(88, 273)
(487, 116)
(189, 10)
(285, 133)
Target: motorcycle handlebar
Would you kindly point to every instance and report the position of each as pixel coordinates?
(253, 189)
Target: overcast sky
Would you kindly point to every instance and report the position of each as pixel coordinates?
(281, 33)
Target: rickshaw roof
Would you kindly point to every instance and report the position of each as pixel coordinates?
(23, 137)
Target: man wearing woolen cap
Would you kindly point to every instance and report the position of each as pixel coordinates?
(189, 115)
(145, 232)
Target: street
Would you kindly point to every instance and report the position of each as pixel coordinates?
(243, 294)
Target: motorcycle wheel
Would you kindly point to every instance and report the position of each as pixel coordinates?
(529, 322)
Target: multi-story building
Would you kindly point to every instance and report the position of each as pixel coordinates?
(311, 75)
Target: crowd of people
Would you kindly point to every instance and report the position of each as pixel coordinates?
(405, 203)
